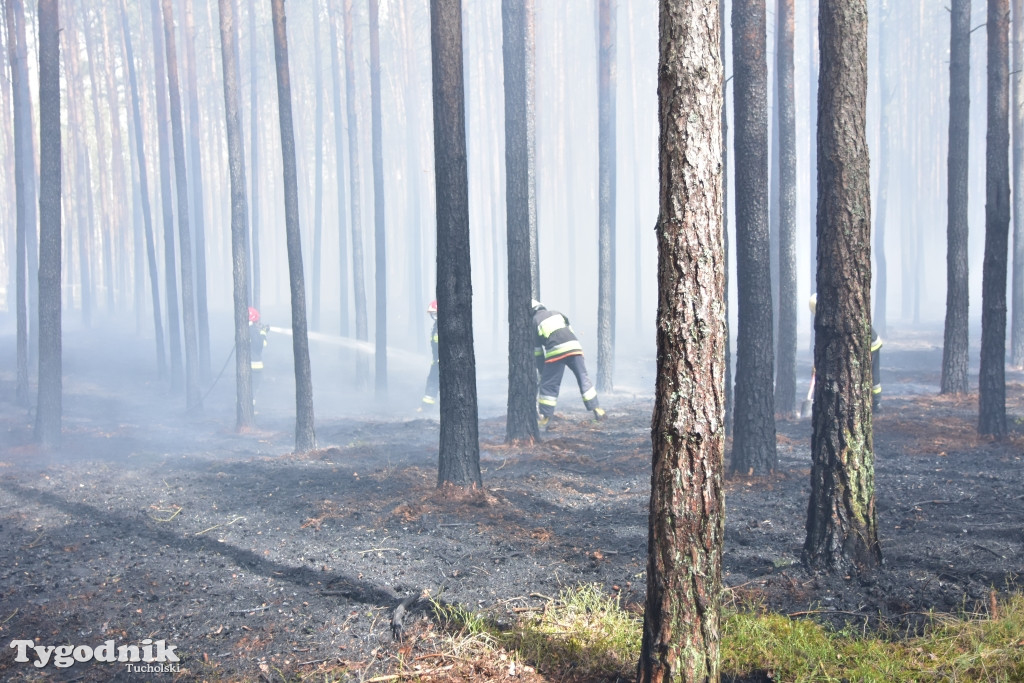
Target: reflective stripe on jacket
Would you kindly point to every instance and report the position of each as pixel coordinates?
(555, 337)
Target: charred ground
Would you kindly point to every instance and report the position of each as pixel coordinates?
(256, 563)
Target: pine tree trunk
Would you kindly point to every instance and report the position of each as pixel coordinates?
(166, 197)
(882, 210)
(753, 449)
(725, 224)
(196, 187)
(305, 439)
(1017, 267)
(193, 397)
(339, 146)
(521, 423)
(147, 214)
(459, 445)
(531, 142)
(992, 373)
(606, 196)
(358, 272)
(682, 618)
(24, 188)
(785, 375)
(254, 158)
(48, 408)
(842, 532)
(318, 165)
(29, 178)
(105, 232)
(380, 236)
(955, 341)
(239, 214)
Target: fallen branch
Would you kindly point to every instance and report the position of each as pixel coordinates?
(243, 612)
(10, 617)
(981, 547)
(377, 550)
(215, 526)
(929, 502)
(313, 661)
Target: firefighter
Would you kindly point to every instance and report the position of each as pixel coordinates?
(257, 340)
(876, 370)
(430, 394)
(876, 362)
(557, 348)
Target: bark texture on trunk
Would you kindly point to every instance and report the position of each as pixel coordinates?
(992, 373)
(955, 336)
(842, 532)
(459, 447)
(753, 448)
(785, 374)
(305, 439)
(521, 424)
(606, 196)
(239, 216)
(49, 406)
(682, 618)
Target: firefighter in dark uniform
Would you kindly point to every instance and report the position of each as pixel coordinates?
(257, 340)
(430, 394)
(557, 348)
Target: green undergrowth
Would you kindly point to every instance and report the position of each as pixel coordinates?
(586, 635)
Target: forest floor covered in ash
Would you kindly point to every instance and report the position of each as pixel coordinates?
(259, 564)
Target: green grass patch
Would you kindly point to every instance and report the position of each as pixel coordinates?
(965, 647)
(585, 634)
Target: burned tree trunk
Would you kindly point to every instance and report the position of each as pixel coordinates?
(785, 373)
(992, 373)
(753, 449)
(459, 446)
(955, 340)
(842, 532)
(521, 423)
(239, 214)
(1017, 263)
(305, 439)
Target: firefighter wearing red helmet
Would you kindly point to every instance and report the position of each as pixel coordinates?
(257, 340)
(431, 393)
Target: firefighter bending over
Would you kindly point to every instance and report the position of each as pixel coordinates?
(557, 348)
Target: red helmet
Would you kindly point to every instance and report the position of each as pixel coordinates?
(254, 315)
(432, 306)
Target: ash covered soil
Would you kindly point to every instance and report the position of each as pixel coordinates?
(256, 563)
